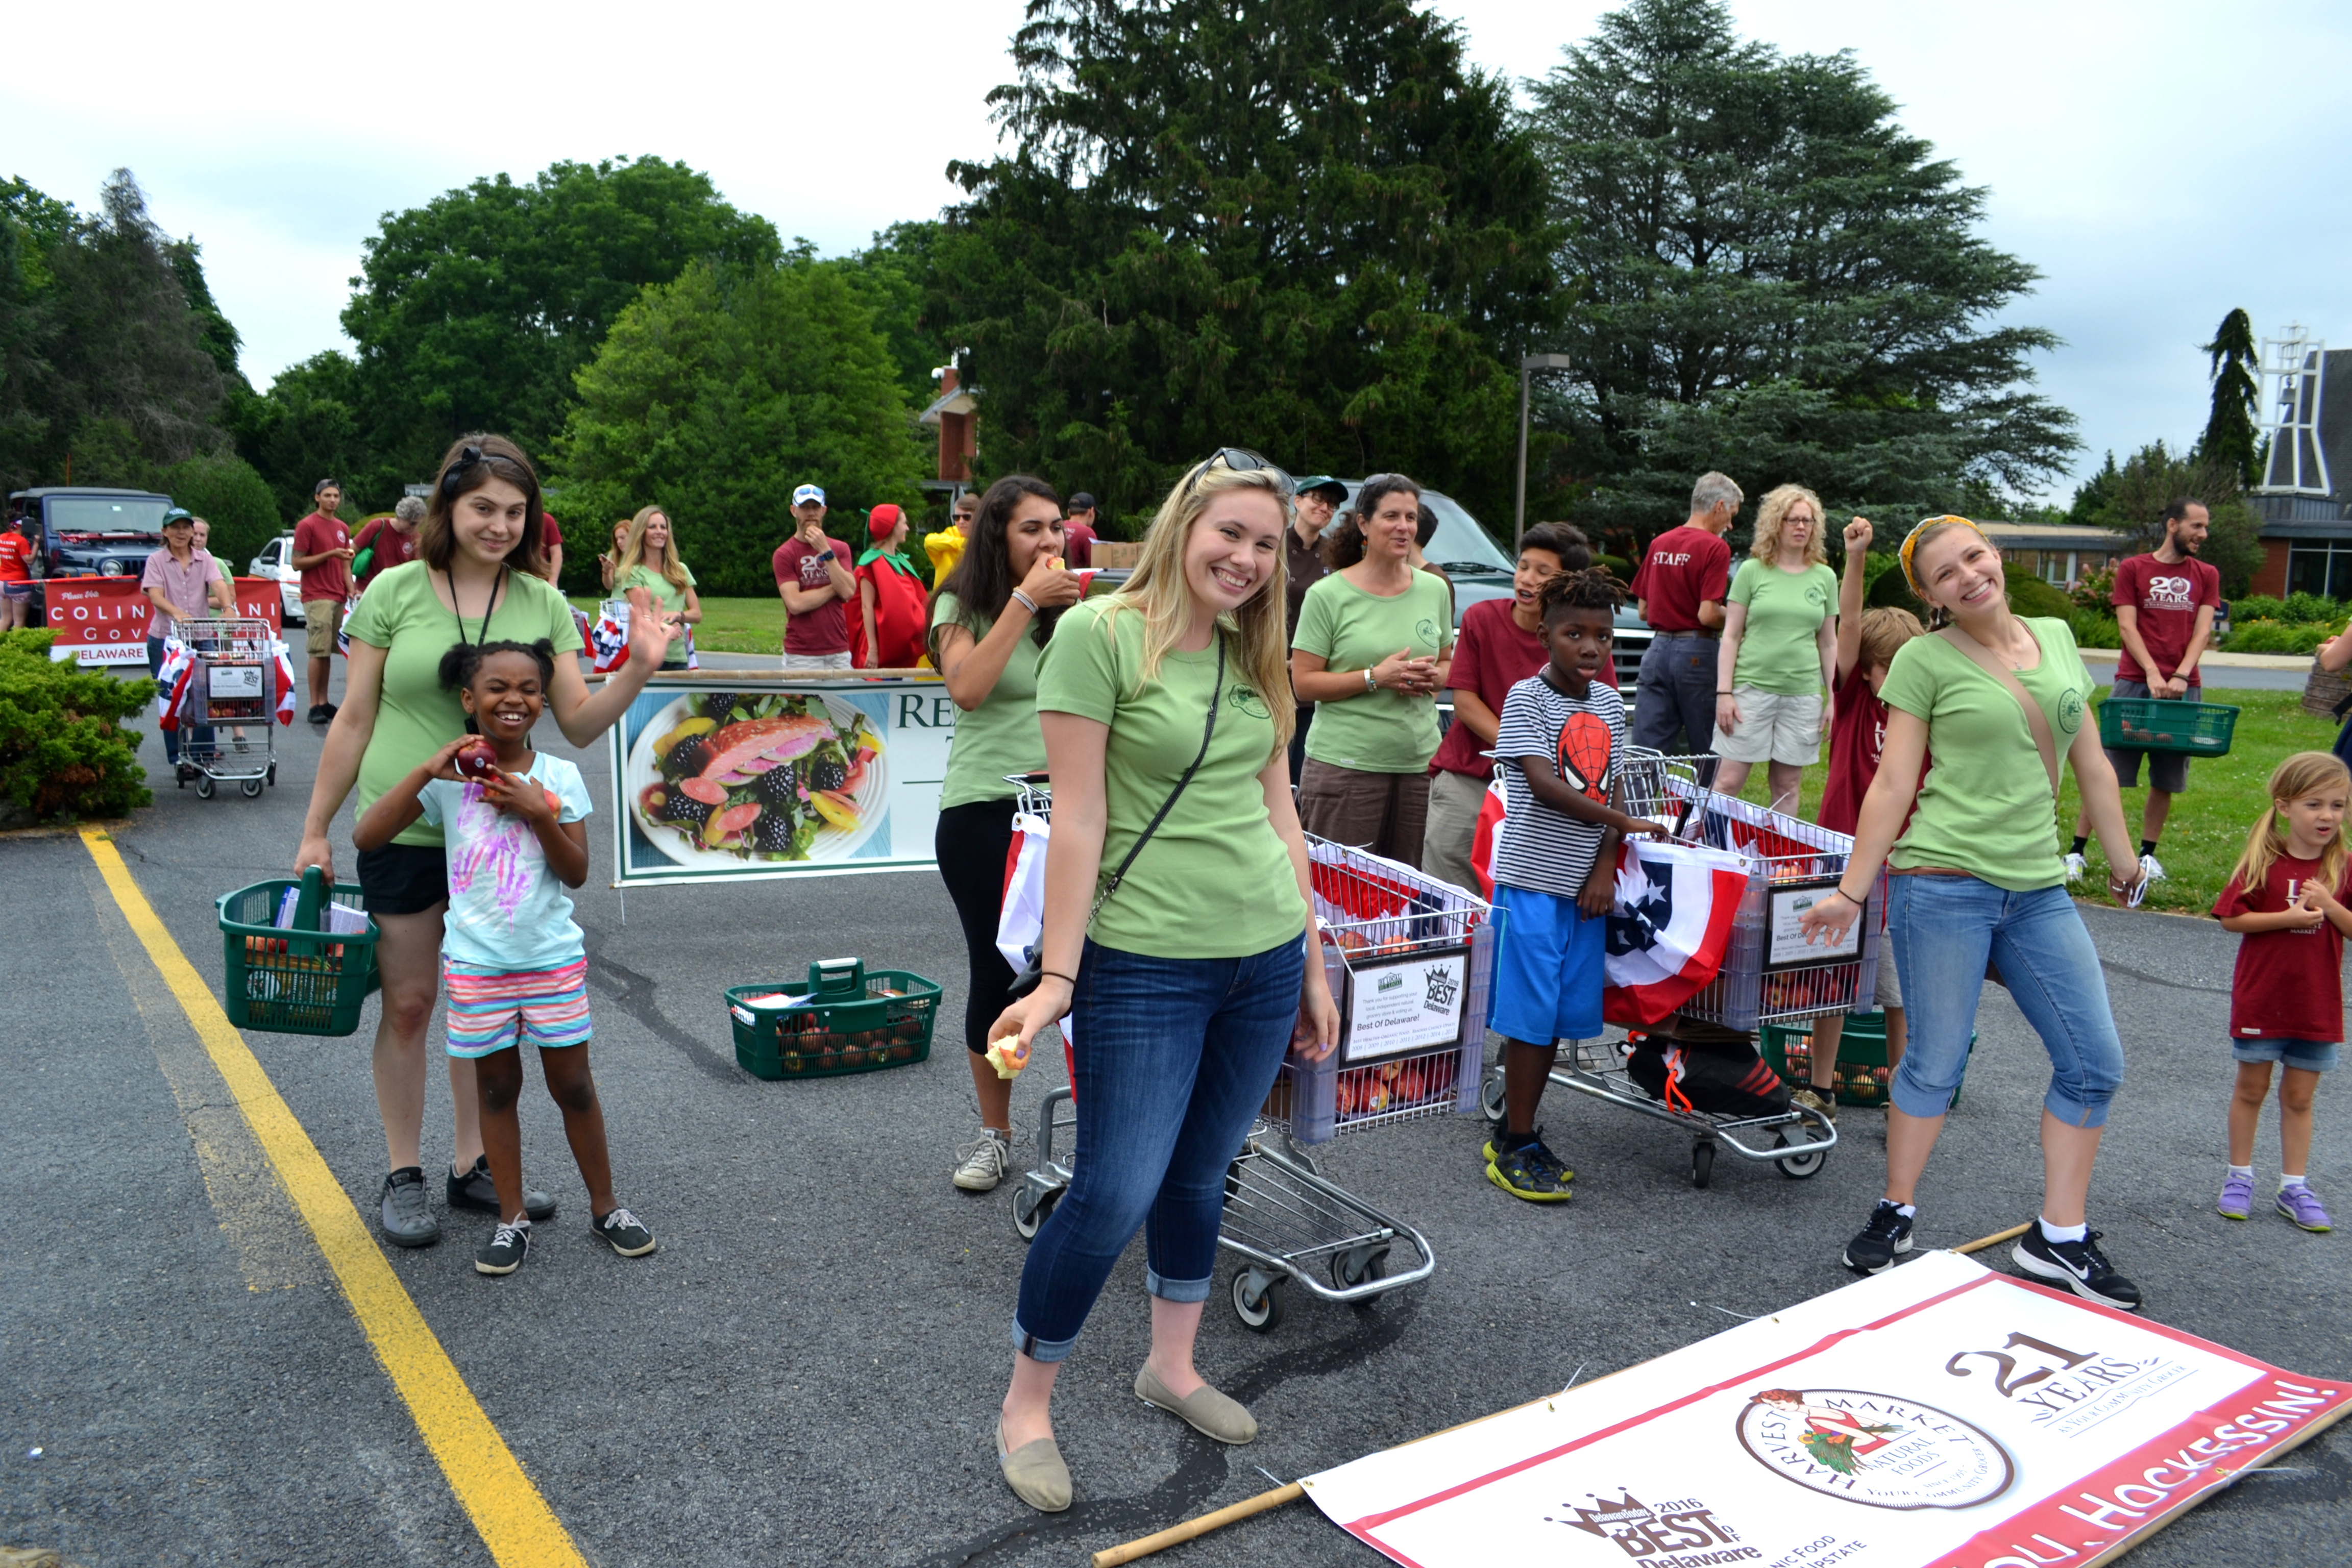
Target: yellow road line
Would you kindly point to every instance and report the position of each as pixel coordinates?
(515, 1522)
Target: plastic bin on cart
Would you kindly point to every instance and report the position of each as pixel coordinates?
(1319, 1100)
(2146, 725)
(844, 1020)
(301, 979)
(1862, 1076)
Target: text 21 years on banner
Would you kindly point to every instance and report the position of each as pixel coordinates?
(1940, 1415)
(716, 781)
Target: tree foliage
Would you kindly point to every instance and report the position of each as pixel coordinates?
(717, 393)
(2138, 492)
(1305, 225)
(2230, 430)
(1772, 276)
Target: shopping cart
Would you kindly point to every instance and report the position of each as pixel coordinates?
(229, 689)
(1386, 929)
(1768, 975)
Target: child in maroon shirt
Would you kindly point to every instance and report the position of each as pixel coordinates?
(2286, 999)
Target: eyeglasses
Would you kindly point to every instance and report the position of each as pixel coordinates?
(1242, 460)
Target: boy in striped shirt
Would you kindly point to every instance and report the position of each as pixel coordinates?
(1560, 734)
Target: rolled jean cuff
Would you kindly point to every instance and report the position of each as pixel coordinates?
(2073, 1112)
(1036, 1349)
(1169, 1290)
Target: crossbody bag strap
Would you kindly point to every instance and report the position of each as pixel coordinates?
(1208, 733)
(2035, 720)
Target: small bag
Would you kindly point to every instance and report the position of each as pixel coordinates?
(1721, 1077)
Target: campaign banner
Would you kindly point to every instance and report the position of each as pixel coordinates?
(103, 620)
(1937, 1416)
(714, 781)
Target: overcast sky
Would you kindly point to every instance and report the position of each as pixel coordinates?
(2159, 162)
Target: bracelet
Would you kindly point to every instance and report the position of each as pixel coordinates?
(1027, 603)
(1849, 898)
(1726, 694)
(1370, 682)
(1057, 974)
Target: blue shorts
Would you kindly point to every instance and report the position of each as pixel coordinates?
(1548, 968)
(2311, 1056)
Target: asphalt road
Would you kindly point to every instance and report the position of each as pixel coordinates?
(807, 1370)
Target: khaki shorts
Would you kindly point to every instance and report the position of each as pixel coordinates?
(1773, 728)
(322, 618)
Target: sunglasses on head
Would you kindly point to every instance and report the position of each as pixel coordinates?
(1242, 460)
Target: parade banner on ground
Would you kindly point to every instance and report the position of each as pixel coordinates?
(1937, 1416)
(103, 620)
(715, 780)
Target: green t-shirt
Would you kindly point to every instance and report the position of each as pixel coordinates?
(1215, 881)
(669, 600)
(416, 716)
(1000, 736)
(1379, 732)
(1777, 652)
(1986, 808)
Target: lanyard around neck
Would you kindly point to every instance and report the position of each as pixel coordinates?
(487, 610)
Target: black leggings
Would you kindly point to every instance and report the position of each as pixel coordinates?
(970, 846)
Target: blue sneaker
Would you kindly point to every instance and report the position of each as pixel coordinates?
(1531, 1171)
(2237, 1199)
(2301, 1205)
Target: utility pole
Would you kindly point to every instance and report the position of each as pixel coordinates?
(1528, 362)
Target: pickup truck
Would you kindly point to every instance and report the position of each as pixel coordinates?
(88, 532)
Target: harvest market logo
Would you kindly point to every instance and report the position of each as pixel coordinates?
(1250, 704)
(2070, 710)
(1684, 1533)
(1426, 630)
(1877, 1449)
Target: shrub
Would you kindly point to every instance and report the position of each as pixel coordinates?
(2279, 636)
(63, 750)
(2304, 608)
(2092, 629)
(2258, 607)
(2095, 589)
(2030, 595)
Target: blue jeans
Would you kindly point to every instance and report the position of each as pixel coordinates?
(1173, 1059)
(1943, 928)
(200, 733)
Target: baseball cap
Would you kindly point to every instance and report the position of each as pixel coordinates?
(1323, 482)
(1082, 501)
(882, 520)
(806, 494)
(177, 516)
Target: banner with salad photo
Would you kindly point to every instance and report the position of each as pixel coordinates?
(760, 780)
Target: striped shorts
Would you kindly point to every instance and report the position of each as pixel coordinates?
(491, 1011)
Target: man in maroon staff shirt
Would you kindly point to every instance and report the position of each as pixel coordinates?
(1079, 532)
(814, 578)
(322, 553)
(2164, 602)
(1679, 589)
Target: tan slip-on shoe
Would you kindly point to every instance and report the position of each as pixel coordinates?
(1035, 1473)
(1205, 1410)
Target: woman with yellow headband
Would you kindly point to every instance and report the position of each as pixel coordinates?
(1976, 883)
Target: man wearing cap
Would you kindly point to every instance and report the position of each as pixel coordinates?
(322, 553)
(1078, 532)
(1318, 495)
(892, 608)
(1679, 590)
(812, 575)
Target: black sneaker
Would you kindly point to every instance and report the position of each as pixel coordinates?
(1887, 1236)
(402, 1211)
(1530, 1172)
(2080, 1266)
(621, 1231)
(329, 709)
(318, 713)
(504, 1252)
(476, 1191)
(1537, 1149)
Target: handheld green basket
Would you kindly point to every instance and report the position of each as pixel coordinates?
(845, 1021)
(1861, 1075)
(296, 979)
(2145, 725)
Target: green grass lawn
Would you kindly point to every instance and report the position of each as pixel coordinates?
(731, 626)
(2208, 824)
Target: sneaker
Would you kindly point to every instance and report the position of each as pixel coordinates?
(983, 1163)
(2301, 1205)
(2237, 1197)
(319, 714)
(2075, 866)
(2080, 1266)
(1538, 1150)
(620, 1231)
(1821, 1102)
(2151, 867)
(504, 1252)
(1531, 1171)
(402, 1213)
(1887, 1236)
(476, 1191)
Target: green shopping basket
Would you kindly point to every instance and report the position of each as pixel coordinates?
(1861, 1075)
(301, 979)
(847, 1020)
(2145, 724)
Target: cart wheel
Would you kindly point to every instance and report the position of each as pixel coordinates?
(1490, 1095)
(273, 775)
(250, 789)
(204, 787)
(1702, 1163)
(1260, 1310)
(1358, 1264)
(1799, 1167)
(1030, 1208)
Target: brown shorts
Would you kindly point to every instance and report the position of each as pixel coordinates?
(322, 618)
(1384, 813)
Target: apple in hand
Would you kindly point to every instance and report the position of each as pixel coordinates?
(477, 759)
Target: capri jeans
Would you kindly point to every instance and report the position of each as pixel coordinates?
(1173, 1059)
(1943, 929)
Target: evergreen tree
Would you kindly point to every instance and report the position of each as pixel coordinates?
(2229, 431)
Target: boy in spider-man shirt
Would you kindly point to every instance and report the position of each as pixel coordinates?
(1560, 734)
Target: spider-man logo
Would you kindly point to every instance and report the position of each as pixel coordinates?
(1584, 748)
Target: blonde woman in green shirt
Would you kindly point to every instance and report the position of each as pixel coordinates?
(1187, 972)
(471, 581)
(1779, 651)
(656, 582)
(1375, 641)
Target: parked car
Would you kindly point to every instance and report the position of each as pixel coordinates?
(85, 531)
(272, 562)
